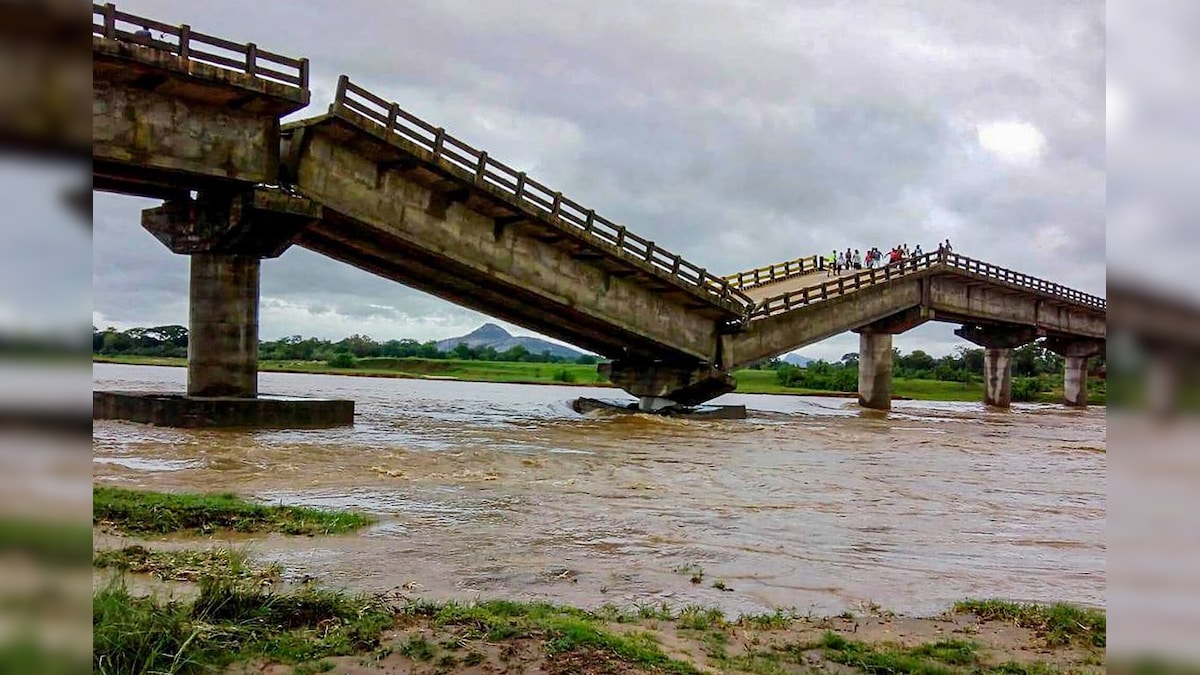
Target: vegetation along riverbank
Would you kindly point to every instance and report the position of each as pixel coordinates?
(765, 380)
(204, 608)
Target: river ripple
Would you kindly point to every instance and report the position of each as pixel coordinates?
(502, 490)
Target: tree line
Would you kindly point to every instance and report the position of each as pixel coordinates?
(1034, 369)
(172, 341)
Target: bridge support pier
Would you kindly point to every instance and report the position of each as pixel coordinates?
(226, 235)
(661, 386)
(998, 343)
(1076, 354)
(997, 376)
(223, 325)
(875, 370)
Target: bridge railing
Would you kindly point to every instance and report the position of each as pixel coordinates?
(772, 273)
(475, 166)
(1013, 278)
(939, 260)
(109, 22)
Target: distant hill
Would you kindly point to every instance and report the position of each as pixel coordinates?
(491, 335)
(797, 360)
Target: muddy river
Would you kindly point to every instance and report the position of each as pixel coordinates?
(491, 490)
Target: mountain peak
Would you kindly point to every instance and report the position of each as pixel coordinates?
(489, 331)
(491, 335)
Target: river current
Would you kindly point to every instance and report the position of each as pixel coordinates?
(501, 490)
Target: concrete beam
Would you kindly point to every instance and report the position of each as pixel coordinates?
(875, 370)
(337, 167)
(160, 121)
(957, 299)
(662, 385)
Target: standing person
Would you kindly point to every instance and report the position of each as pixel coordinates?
(832, 264)
(917, 252)
(949, 248)
(857, 259)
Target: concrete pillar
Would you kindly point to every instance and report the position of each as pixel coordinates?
(223, 325)
(997, 376)
(998, 342)
(1162, 382)
(875, 370)
(1075, 353)
(1075, 381)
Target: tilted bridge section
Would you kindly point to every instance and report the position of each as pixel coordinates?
(195, 120)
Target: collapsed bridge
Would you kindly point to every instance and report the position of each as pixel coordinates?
(195, 120)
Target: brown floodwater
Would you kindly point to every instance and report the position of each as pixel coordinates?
(498, 490)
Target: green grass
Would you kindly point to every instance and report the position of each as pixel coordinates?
(146, 512)
(943, 657)
(1058, 624)
(51, 542)
(565, 629)
(749, 381)
(231, 622)
(185, 565)
(936, 658)
(139, 635)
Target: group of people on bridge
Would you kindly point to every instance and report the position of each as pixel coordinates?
(838, 262)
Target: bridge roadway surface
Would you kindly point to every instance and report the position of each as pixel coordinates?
(195, 120)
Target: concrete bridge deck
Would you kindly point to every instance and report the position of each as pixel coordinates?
(194, 119)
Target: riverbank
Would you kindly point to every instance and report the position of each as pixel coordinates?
(187, 605)
(749, 381)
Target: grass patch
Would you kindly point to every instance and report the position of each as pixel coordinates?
(695, 617)
(188, 565)
(418, 648)
(935, 658)
(46, 541)
(145, 512)
(1058, 624)
(138, 635)
(777, 620)
(565, 629)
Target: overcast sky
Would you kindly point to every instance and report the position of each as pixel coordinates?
(735, 133)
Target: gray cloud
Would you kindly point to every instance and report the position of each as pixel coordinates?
(735, 133)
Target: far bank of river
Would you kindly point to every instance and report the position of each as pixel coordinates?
(749, 381)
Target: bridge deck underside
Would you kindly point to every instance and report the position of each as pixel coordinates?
(349, 241)
(394, 215)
